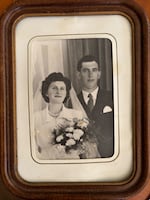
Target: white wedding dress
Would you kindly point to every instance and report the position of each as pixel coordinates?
(47, 149)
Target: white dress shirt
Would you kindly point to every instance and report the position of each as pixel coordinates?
(94, 95)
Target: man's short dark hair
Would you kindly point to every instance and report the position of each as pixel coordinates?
(87, 58)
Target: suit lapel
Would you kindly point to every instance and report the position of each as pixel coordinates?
(80, 96)
(98, 103)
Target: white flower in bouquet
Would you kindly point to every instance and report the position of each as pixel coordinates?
(59, 138)
(70, 142)
(83, 123)
(69, 129)
(62, 123)
(77, 134)
(69, 135)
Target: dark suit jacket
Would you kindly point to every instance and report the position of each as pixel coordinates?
(103, 124)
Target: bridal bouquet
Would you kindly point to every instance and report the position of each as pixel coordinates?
(72, 134)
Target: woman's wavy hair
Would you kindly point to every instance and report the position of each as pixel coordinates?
(52, 78)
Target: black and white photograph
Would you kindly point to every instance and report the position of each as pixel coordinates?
(72, 95)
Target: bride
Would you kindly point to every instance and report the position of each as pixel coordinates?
(55, 91)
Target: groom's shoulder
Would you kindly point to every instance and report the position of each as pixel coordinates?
(105, 93)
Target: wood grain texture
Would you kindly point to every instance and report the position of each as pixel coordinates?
(145, 4)
(141, 194)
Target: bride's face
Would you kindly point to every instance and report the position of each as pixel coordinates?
(57, 92)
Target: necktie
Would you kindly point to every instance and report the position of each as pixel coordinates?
(90, 102)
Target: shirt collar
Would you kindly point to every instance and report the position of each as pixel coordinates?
(94, 95)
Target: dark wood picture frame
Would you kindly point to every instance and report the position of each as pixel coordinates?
(135, 185)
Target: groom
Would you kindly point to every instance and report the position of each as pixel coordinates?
(97, 103)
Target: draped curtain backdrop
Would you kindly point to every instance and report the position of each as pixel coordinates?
(54, 55)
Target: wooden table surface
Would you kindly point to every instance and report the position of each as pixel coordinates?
(145, 4)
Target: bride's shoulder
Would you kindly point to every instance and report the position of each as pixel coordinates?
(40, 116)
(40, 112)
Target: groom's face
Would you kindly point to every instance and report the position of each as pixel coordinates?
(89, 75)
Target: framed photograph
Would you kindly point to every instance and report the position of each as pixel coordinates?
(74, 105)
